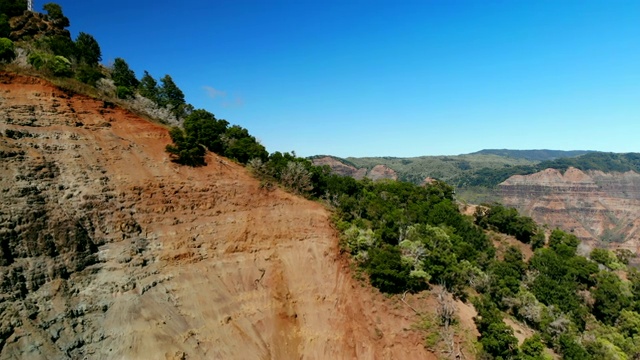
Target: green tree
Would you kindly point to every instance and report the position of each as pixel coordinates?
(532, 348)
(600, 256)
(7, 53)
(123, 76)
(204, 130)
(183, 149)
(241, 146)
(499, 341)
(5, 29)
(389, 273)
(54, 13)
(563, 244)
(87, 49)
(538, 240)
(171, 95)
(13, 8)
(89, 74)
(59, 45)
(55, 64)
(628, 323)
(506, 220)
(609, 297)
(571, 349)
(634, 280)
(148, 87)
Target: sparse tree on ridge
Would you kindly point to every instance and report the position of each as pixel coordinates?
(171, 95)
(148, 87)
(123, 78)
(54, 12)
(87, 49)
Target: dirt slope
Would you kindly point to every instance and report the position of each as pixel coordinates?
(162, 261)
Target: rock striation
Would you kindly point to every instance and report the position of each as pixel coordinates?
(602, 209)
(110, 251)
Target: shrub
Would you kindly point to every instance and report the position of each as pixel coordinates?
(123, 92)
(388, 273)
(58, 45)
(185, 151)
(55, 64)
(297, 178)
(89, 74)
(5, 29)
(54, 12)
(7, 52)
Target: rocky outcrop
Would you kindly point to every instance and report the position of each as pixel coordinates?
(35, 25)
(600, 208)
(108, 250)
(378, 172)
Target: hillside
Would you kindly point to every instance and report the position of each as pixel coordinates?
(553, 192)
(110, 250)
(446, 168)
(533, 155)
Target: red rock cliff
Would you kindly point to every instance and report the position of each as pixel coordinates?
(109, 250)
(600, 208)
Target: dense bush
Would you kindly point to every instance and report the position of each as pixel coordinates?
(89, 74)
(506, 220)
(5, 28)
(12, 8)
(55, 15)
(87, 50)
(7, 52)
(58, 45)
(388, 272)
(54, 64)
(202, 131)
(124, 78)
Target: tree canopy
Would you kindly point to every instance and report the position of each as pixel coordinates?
(87, 49)
(12, 8)
(54, 12)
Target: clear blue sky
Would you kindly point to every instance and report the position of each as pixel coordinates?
(391, 78)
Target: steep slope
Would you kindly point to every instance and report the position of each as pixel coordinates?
(109, 250)
(600, 208)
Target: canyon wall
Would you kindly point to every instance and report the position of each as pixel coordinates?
(108, 250)
(602, 209)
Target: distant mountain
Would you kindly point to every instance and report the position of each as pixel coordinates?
(533, 155)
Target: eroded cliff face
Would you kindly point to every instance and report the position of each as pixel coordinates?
(378, 172)
(602, 209)
(108, 250)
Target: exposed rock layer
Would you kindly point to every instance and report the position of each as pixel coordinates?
(602, 209)
(376, 173)
(108, 250)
